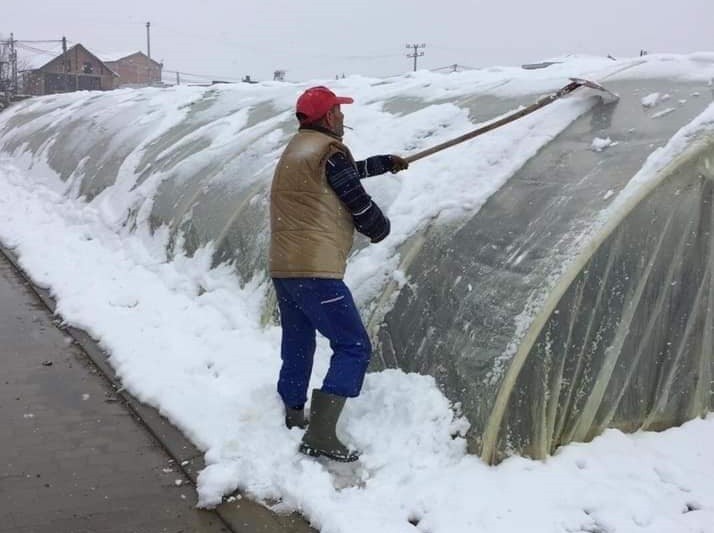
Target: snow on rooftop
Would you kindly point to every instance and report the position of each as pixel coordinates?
(116, 56)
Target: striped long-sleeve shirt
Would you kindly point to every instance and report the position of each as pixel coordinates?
(344, 179)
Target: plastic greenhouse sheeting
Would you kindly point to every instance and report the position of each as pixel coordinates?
(546, 308)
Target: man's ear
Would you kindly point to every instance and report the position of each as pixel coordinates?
(330, 117)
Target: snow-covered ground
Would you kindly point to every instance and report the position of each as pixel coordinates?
(188, 339)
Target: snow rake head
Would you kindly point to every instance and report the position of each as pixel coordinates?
(608, 97)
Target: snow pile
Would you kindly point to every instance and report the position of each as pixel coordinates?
(212, 371)
(650, 100)
(664, 112)
(598, 144)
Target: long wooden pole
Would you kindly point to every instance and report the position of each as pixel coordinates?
(570, 87)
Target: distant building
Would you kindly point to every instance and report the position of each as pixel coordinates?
(77, 69)
(136, 69)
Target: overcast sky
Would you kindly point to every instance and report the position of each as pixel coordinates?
(311, 39)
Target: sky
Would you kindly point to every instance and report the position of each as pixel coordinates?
(321, 39)
(188, 339)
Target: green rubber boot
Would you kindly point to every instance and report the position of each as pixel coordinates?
(320, 438)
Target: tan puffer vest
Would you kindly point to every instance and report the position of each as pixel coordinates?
(311, 230)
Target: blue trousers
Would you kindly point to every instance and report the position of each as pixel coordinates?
(308, 305)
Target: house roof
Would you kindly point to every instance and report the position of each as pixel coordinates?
(113, 58)
(110, 57)
(36, 58)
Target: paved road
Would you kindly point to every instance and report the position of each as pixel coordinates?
(73, 458)
(76, 457)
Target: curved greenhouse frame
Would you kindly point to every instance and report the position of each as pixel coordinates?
(547, 297)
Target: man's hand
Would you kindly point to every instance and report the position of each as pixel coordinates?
(398, 163)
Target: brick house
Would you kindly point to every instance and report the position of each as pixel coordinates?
(77, 69)
(137, 69)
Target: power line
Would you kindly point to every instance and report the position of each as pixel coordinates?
(360, 57)
(35, 49)
(204, 38)
(202, 76)
(454, 67)
(456, 48)
(39, 42)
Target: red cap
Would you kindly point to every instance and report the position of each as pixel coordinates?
(315, 102)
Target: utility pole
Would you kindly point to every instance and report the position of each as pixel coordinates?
(4, 82)
(178, 78)
(13, 65)
(416, 53)
(148, 52)
(65, 64)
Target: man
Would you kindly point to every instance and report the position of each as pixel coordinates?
(316, 203)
